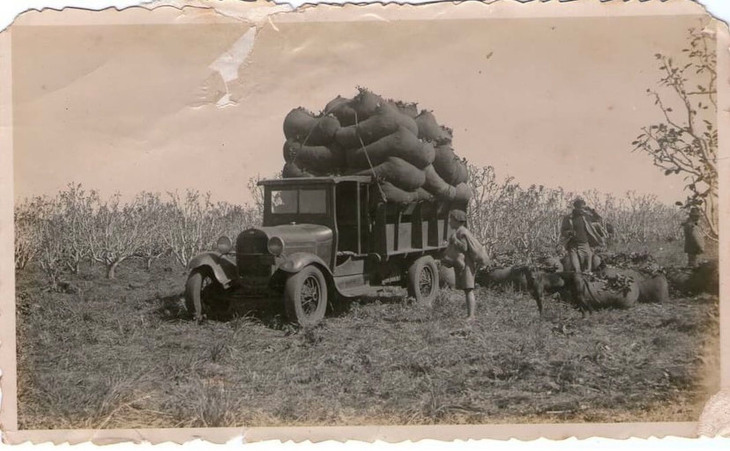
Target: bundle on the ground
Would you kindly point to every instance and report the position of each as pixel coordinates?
(407, 151)
(597, 294)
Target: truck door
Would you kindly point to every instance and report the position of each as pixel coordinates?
(347, 217)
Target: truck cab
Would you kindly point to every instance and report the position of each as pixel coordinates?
(323, 239)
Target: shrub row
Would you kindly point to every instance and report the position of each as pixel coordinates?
(59, 233)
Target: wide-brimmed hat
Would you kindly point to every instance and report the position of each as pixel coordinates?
(458, 215)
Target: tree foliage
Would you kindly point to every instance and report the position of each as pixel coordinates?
(510, 219)
(117, 233)
(77, 226)
(684, 140)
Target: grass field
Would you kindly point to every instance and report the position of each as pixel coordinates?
(119, 354)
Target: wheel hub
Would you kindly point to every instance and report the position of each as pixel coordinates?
(425, 282)
(310, 295)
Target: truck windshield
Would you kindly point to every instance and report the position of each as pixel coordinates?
(298, 200)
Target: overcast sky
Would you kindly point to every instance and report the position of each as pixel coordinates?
(128, 108)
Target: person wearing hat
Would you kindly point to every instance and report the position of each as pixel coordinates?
(578, 234)
(693, 242)
(462, 260)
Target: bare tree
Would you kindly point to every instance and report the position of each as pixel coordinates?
(233, 219)
(190, 227)
(118, 232)
(77, 210)
(152, 213)
(481, 212)
(50, 248)
(257, 192)
(685, 140)
(28, 231)
(508, 218)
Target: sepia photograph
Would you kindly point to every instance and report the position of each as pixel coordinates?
(452, 214)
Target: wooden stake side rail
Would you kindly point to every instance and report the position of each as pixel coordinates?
(408, 229)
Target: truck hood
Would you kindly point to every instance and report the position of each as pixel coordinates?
(311, 234)
(296, 238)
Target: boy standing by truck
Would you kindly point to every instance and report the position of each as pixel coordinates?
(464, 253)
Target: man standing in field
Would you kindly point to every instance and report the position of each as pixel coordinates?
(578, 234)
(693, 241)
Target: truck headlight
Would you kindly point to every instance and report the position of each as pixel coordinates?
(275, 246)
(223, 244)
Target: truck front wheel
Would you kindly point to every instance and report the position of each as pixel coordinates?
(199, 289)
(423, 280)
(305, 296)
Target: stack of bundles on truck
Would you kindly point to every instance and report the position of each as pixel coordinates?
(407, 151)
(310, 147)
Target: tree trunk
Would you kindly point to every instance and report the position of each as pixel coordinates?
(111, 272)
(149, 263)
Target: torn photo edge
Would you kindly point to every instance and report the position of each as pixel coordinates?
(258, 12)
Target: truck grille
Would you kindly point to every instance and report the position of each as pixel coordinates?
(255, 265)
(251, 242)
(252, 257)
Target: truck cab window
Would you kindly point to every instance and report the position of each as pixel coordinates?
(302, 201)
(313, 201)
(284, 201)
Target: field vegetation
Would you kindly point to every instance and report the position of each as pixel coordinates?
(121, 353)
(60, 232)
(104, 340)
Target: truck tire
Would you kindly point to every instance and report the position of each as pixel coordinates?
(305, 296)
(423, 280)
(199, 288)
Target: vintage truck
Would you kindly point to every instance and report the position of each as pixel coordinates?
(325, 239)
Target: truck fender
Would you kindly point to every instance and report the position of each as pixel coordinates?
(298, 260)
(222, 269)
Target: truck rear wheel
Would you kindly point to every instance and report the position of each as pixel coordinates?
(305, 296)
(423, 280)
